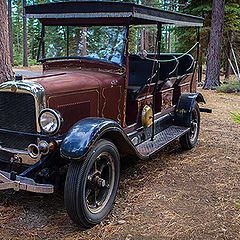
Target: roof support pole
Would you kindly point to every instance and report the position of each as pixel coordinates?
(157, 65)
(159, 39)
(41, 44)
(43, 41)
(199, 53)
(196, 65)
(67, 41)
(25, 45)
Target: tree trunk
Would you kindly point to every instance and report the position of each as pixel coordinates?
(169, 44)
(142, 39)
(25, 46)
(214, 46)
(6, 72)
(229, 70)
(84, 41)
(10, 30)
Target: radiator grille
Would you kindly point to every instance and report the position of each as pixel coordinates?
(17, 113)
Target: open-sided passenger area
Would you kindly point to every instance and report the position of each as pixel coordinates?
(184, 82)
(142, 73)
(170, 75)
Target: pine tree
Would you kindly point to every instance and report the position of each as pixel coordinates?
(25, 43)
(10, 29)
(215, 46)
(6, 72)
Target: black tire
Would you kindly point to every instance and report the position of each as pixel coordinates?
(91, 186)
(189, 140)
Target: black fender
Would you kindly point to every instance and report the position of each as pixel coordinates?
(83, 135)
(184, 108)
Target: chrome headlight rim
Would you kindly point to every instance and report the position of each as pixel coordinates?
(58, 118)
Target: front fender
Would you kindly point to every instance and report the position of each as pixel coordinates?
(184, 108)
(86, 132)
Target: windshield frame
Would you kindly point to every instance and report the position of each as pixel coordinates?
(41, 49)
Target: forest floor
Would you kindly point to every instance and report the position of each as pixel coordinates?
(176, 195)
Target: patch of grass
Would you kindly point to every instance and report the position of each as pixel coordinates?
(230, 87)
(236, 117)
(237, 205)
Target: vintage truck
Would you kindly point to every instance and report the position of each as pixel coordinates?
(95, 103)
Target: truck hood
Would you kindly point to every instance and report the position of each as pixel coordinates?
(74, 81)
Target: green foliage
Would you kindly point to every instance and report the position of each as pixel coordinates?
(34, 29)
(58, 35)
(232, 16)
(133, 36)
(236, 117)
(203, 8)
(231, 87)
(180, 39)
(237, 205)
(187, 36)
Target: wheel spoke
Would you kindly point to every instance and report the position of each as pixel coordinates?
(94, 198)
(90, 182)
(95, 165)
(103, 166)
(195, 125)
(88, 192)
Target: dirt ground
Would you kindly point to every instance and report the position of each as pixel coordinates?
(176, 195)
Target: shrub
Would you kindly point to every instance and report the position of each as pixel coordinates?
(230, 87)
(236, 117)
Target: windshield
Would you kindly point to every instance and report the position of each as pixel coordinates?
(97, 42)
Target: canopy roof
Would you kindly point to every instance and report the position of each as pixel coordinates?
(106, 13)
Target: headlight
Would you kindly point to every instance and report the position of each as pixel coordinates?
(50, 121)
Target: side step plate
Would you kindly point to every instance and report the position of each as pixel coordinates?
(161, 140)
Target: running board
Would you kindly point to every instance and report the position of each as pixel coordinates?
(161, 140)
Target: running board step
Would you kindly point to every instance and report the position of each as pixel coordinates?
(161, 140)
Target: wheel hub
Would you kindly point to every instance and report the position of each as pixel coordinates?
(99, 182)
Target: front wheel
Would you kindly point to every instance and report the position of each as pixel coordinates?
(91, 186)
(189, 140)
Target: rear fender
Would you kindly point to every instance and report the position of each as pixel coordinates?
(184, 108)
(84, 134)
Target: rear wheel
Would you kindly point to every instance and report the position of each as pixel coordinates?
(91, 185)
(189, 140)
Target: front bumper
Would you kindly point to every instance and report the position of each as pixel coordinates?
(23, 183)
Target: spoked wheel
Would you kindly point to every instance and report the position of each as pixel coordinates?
(189, 140)
(91, 185)
(100, 183)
